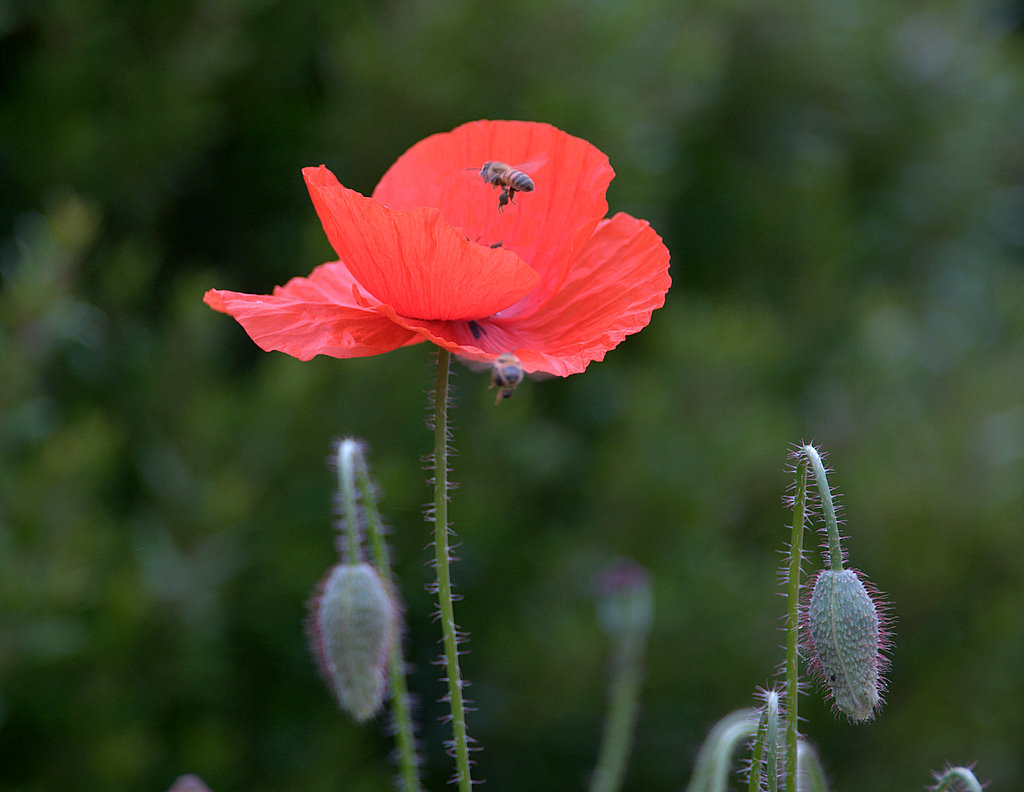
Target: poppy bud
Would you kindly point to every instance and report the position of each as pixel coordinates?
(625, 602)
(352, 630)
(846, 640)
(188, 783)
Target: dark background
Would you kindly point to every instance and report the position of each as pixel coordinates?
(841, 185)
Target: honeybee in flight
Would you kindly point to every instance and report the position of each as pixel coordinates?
(506, 369)
(510, 180)
(506, 374)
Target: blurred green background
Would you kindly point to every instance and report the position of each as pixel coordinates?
(841, 185)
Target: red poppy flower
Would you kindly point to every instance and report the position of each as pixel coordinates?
(431, 258)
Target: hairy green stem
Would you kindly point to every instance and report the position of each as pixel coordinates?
(812, 774)
(771, 752)
(957, 778)
(793, 622)
(401, 708)
(828, 510)
(711, 770)
(348, 451)
(620, 722)
(460, 739)
(757, 769)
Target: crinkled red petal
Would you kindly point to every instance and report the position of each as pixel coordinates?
(433, 259)
(413, 260)
(544, 227)
(617, 281)
(614, 285)
(313, 316)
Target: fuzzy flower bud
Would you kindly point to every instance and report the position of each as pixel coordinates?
(625, 601)
(353, 626)
(846, 639)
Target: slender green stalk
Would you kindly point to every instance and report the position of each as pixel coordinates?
(793, 622)
(460, 740)
(620, 722)
(771, 752)
(711, 770)
(812, 774)
(828, 511)
(401, 709)
(957, 778)
(348, 452)
(757, 755)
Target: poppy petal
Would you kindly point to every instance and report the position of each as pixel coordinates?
(545, 226)
(413, 260)
(614, 285)
(433, 257)
(457, 339)
(312, 316)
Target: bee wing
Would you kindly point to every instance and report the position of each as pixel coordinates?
(528, 167)
(474, 365)
(486, 365)
(533, 165)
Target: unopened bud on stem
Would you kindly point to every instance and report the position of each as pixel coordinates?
(625, 602)
(354, 624)
(846, 640)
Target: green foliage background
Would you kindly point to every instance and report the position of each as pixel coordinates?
(841, 185)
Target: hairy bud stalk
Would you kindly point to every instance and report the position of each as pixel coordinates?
(846, 623)
(625, 609)
(353, 628)
(845, 639)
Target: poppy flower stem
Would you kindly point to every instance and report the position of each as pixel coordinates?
(793, 621)
(352, 545)
(401, 706)
(625, 609)
(835, 551)
(445, 599)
